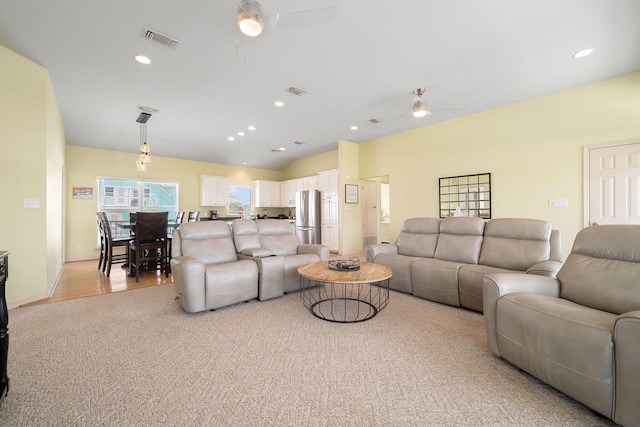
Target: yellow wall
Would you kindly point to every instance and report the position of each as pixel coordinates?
(350, 213)
(31, 167)
(310, 166)
(533, 150)
(85, 165)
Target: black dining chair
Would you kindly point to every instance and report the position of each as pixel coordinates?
(148, 250)
(193, 216)
(179, 218)
(112, 242)
(103, 243)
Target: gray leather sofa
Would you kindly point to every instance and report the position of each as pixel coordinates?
(273, 245)
(579, 332)
(207, 272)
(445, 260)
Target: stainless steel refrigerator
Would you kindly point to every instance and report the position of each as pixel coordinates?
(308, 216)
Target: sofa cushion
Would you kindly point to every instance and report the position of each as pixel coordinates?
(245, 234)
(401, 267)
(470, 284)
(603, 269)
(279, 236)
(209, 241)
(435, 280)
(418, 237)
(230, 283)
(515, 243)
(460, 239)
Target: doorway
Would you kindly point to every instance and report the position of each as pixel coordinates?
(375, 210)
(612, 184)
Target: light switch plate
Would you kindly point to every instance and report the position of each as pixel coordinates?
(32, 203)
(558, 203)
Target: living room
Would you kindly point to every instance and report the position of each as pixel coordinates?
(534, 150)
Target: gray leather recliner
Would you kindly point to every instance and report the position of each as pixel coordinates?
(206, 270)
(579, 332)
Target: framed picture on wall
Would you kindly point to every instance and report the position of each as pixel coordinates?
(350, 193)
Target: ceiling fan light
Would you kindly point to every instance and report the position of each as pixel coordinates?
(250, 19)
(419, 109)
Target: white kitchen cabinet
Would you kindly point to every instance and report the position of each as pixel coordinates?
(285, 194)
(267, 194)
(331, 237)
(328, 184)
(214, 190)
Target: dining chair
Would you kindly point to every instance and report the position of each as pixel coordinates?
(103, 247)
(179, 218)
(112, 242)
(148, 250)
(193, 216)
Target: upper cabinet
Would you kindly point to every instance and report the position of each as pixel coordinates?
(214, 190)
(328, 184)
(267, 194)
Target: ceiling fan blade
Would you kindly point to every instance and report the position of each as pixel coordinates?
(240, 52)
(305, 18)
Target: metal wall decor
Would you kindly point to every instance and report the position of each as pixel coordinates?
(466, 195)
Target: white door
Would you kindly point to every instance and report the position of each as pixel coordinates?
(614, 184)
(370, 218)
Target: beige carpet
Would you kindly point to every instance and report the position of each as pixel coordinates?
(134, 358)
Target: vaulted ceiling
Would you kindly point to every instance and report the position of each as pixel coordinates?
(357, 61)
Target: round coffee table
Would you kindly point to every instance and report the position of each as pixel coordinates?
(344, 296)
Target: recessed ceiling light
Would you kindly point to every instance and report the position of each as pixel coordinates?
(251, 128)
(231, 138)
(278, 150)
(244, 163)
(279, 104)
(354, 128)
(240, 133)
(582, 53)
(142, 59)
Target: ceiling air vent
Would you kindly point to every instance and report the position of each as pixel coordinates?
(298, 91)
(158, 37)
(376, 121)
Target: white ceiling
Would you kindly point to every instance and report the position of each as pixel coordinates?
(470, 55)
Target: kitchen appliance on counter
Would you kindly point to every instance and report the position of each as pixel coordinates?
(308, 216)
(214, 214)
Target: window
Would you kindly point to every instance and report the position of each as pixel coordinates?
(239, 200)
(119, 197)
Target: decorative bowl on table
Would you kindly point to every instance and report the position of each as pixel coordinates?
(352, 264)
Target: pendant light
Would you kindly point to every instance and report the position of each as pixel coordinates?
(143, 157)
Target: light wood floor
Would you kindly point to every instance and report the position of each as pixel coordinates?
(81, 279)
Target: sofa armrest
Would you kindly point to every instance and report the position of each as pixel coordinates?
(626, 342)
(495, 286)
(372, 251)
(257, 253)
(188, 278)
(310, 248)
(545, 268)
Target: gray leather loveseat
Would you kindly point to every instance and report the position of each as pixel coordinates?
(273, 245)
(579, 332)
(445, 260)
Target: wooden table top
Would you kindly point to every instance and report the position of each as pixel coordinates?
(368, 273)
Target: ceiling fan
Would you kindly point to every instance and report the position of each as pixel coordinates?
(253, 23)
(399, 107)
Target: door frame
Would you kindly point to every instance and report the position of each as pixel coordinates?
(586, 169)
